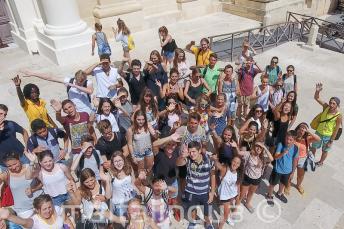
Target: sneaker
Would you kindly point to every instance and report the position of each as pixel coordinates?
(282, 198)
(270, 200)
(191, 226)
(209, 226)
(230, 222)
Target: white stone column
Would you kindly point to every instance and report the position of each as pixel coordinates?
(61, 17)
(22, 14)
(64, 38)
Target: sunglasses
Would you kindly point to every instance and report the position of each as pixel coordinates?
(259, 111)
(275, 62)
(278, 85)
(290, 70)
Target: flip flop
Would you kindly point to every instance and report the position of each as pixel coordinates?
(301, 190)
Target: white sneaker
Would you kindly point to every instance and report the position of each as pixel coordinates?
(230, 222)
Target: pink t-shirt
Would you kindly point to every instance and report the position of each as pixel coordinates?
(76, 130)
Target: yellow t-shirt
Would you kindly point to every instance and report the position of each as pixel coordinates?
(202, 58)
(327, 128)
(34, 111)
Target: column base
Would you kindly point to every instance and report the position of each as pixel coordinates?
(25, 39)
(65, 50)
(195, 8)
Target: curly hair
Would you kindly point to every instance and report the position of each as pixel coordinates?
(28, 88)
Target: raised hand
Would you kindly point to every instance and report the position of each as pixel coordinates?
(234, 144)
(17, 81)
(319, 87)
(31, 156)
(26, 73)
(28, 192)
(56, 105)
(117, 103)
(105, 177)
(142, 175)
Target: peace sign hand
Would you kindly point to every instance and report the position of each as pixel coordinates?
(17, 81)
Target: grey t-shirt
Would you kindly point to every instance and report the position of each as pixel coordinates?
(91, 163)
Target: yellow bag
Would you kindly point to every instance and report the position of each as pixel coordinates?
(131, 43)
(316, 121)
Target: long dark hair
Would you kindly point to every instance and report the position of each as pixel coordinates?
(135, 126)
(105, 100)
(152, 104)
(305, 135)
(251, 113)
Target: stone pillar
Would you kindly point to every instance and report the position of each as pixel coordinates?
(64, 37)
(22, 15)
(194, 8)
(313, 34)
(108, 11)
(62, 18)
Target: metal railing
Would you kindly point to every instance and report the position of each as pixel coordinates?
(297, 27)
(330, 35)
(228, 46)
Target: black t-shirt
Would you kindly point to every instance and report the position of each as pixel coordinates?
(135, 86)
(8, 140)
(151, 78)
(107, 148)
(165, 167)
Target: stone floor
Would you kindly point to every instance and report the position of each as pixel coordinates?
(322, 206)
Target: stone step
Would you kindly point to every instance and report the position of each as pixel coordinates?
(160, 19)
(156, 9)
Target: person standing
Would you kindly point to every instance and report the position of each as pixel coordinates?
(100, 38)
(286, 157)
(33, 106)
(122, 34)
(107, 77)
(8, 139)
(211, 74)
(168, 45)
(202, 53)
(200, 179)
(330, 122)
(273, 71)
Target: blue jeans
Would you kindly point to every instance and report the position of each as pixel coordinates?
(11, 225)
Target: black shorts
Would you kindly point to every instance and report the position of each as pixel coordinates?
(192, 200)
(276, 178)
(182, 170)
(249, 181)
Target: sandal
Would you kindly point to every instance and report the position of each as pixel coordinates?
(301, 190)
(319, 164)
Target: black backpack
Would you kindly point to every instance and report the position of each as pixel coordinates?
(84, 85)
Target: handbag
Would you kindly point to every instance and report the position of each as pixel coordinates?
(317, 120)
(6, 194)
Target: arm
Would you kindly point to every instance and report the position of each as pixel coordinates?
(181, 93)
(25, 138)
(243, 129)
(188, 46)
(17, 81)
(338, 124)
(43, 76)
(138, 182)
(66, 172)
(93, 43)
(130, 141)
(318, 89)
(276, 111)
(26, 223)
(182, 159)
(186, 89)
(76, 161)
(212, 185)
(89, 70)
(206, 87)
(219, 84)
(87, 90)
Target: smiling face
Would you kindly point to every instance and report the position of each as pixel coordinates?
(34, 95)
(204, 45)
(291, 97)
(227, 135)
(13, 165)
(46, 210)
(252, 130)
(235, 163)
(118, 163)
(333, 105)
(90, 183)
(286, 108)
(212, 61)
(154, 58)
(47, 163)
(228, 72)
(106, 108)
(174, 77)
(69, 109)
(258, 149)
(194, 153)
(193, 125)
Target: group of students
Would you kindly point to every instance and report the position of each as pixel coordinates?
(202, 136)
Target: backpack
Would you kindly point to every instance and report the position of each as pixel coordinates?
(84, 85)
(34, 140)
(82, 161)
(131, 43)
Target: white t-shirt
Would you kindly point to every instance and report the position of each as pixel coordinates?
(79, 98)
(91, 163)
(39, 223)
(104, 82)
(112, 120)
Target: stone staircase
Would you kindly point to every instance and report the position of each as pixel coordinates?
(160, 12)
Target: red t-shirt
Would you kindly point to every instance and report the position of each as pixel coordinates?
(246, 81)
(76, 130)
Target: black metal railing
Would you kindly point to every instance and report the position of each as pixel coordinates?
(297, 27)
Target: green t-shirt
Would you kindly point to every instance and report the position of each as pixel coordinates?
(211, 77)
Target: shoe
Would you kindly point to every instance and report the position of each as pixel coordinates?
(319, 164)
(282, 198)
(250, 209)
(270, 200)
(209, 226)
(301, 190)
(230, 222)
(191, 226)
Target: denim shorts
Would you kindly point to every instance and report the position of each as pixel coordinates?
(193, 200)
(140, 156)
(60, 199)
(119, 209)
(168, 55)
(322, 143)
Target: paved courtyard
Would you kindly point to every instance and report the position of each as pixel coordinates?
(322, 205)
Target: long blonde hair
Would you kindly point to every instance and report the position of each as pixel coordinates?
(122, 27)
